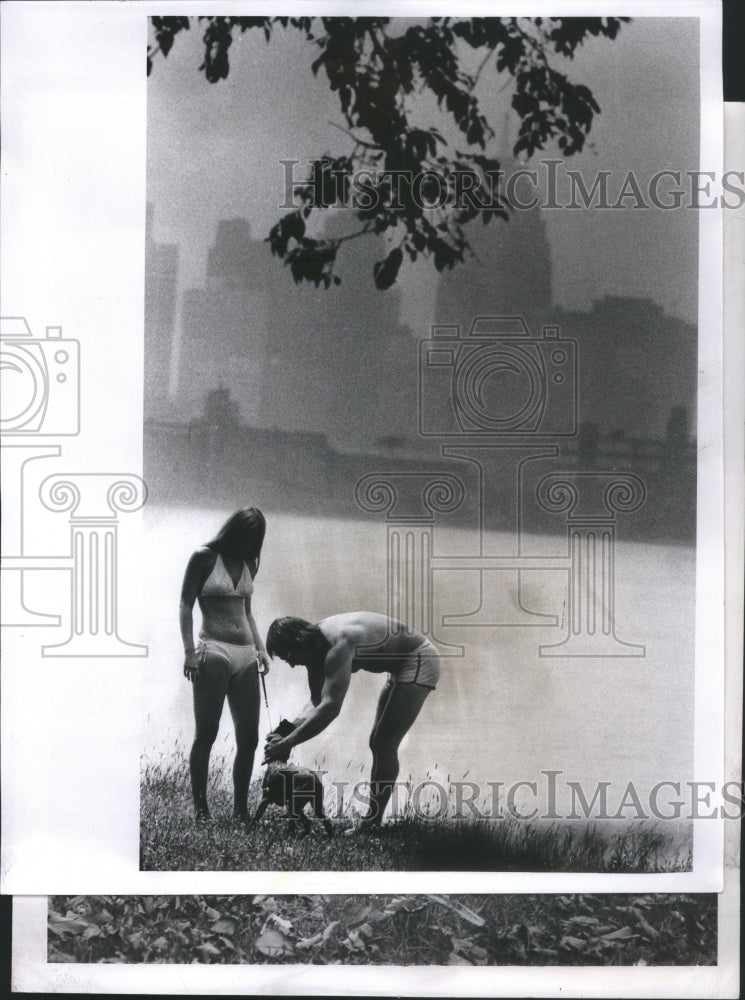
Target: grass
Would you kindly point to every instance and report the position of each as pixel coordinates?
(539, 930)
(170, 840)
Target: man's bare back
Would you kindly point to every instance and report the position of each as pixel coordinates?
(378, 641)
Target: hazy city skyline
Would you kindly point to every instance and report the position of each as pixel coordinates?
(298, 358)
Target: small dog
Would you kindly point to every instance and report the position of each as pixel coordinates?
(294, 788)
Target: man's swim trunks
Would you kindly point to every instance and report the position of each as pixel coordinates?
(237, 658)
(422, 666)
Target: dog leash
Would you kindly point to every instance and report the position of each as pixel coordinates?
(266, 700)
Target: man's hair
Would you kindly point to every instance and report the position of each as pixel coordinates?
(286, 634)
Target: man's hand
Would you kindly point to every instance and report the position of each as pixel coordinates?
(191, 667)
(276, 748)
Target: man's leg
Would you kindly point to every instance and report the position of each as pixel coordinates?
(398, 707)
(245, 703)
(209, 686)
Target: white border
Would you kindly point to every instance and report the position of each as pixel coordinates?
(46, 851)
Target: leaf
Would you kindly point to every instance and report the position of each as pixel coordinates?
(211, 914)
(310, 942)
(455, 959)
(209, 949)
(59, 956)
(647, 929)
(623, 934)
(355, 913)
(273, 943)
(386, 271)
(402, 903)
(584, 921)
(136, 941)
(283, 925)
(226, 925)
(67, 925)
(329, 930)
(474, 952)
(353, 942)
(460, 909)
(572, 942)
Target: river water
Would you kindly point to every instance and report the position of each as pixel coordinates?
(502, 713)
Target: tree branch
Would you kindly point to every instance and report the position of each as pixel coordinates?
(483, 63)
(360, 142)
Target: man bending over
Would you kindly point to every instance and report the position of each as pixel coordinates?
(332, 651)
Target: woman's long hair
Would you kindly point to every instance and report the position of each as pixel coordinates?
(241, 536)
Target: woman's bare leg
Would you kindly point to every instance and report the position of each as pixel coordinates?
(245, 704)
(210, 687)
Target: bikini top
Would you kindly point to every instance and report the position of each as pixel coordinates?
(220, 584)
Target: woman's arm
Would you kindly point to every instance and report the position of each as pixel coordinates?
(264, 660)
(193, 579)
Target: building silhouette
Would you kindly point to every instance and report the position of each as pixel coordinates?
(300, 391)
(508, 274)
(161, 273)
(294, 357)
(636, 364)
(224, 326)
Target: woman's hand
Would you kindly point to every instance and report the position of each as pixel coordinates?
(264, 662)
(191, 667)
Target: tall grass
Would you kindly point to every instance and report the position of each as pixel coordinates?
(170, 840)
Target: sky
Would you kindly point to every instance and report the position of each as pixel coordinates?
(214, 152)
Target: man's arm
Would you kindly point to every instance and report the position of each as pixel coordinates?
(338, 673)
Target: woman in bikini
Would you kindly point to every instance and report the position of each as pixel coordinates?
(229, 655)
